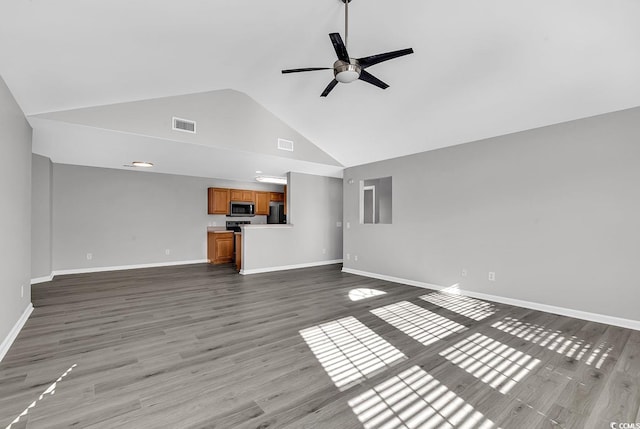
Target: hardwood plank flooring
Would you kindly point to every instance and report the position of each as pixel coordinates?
(200, 346)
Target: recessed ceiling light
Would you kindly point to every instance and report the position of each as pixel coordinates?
(258, 172)
(272, 179)
(142, 164)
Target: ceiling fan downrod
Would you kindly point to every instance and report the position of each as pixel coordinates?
(346, 23)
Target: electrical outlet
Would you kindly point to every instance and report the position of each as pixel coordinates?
(464, 272)
(167, 251)
(492, 276)
(348, 256)
(348, 225)
(324, 251)
(89, 256)
(355, 257)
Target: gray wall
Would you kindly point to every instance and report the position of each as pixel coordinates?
(314, 208)
(222, 121)
(131, 217)
(554, 212)
(15, 216)
(41, 220)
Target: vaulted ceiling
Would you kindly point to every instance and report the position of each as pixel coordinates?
(480, 69)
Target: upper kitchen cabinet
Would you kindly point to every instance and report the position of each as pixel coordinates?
(262, 203)
(276, 197)
(242, 195)
(219, 201)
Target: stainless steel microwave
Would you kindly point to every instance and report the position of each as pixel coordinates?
(239, 208)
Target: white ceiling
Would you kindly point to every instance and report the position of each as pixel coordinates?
(480, 69)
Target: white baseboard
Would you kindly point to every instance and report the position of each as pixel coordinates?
(126, 267)
(289, 267)
(578, 314)
(392, 279)
(42, 279)
(13, 334)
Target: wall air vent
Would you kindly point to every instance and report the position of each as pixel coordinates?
(184, 125)
(285, 145)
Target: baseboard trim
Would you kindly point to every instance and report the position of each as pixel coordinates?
(42, 279)
(13, 334)
(126, 267)
(289, 267)
(392, 279)
(563, 311)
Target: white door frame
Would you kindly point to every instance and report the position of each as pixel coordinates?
(363, 189)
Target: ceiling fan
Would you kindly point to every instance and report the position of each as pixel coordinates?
(348, 69)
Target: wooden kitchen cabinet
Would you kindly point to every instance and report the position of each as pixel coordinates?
(277, 197)
(238, 238)
(285, 200)
(218, 201)
(242, 195)
(262, 203)
(220, 247)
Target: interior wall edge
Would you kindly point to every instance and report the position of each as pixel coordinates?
(13, 334)
(562, 311)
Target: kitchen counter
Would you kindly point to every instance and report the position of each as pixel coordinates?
(216, 229)
(268, 225)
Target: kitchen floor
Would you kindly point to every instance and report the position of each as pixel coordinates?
(200, 346)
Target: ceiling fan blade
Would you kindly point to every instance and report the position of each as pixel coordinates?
(329, 87)
(369, 78)
(338, 45)
(305, 70)
(375, 59)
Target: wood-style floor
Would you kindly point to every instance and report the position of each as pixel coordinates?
(203, 347)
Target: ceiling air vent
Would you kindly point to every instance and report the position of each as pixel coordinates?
(285, 145)
(184, 125)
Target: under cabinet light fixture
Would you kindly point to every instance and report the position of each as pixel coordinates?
(272, 179)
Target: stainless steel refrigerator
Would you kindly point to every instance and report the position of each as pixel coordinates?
(276, 213)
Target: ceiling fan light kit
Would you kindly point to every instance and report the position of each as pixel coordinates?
(347, 69)
(346, 72)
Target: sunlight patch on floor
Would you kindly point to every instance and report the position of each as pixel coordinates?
(463, 305)
(364, 293)
(491, 361)
(420, 324)
(51, 390)
(554, 340)
(349, 351)
(415, 400)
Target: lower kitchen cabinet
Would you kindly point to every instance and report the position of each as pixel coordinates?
(220, 247)
(238, 238)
